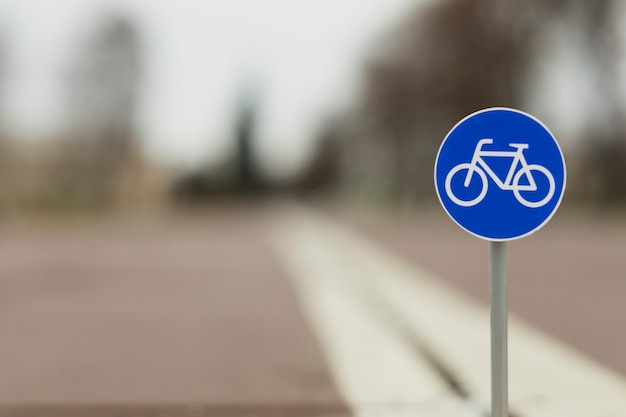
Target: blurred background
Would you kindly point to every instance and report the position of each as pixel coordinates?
(117, 103)
(116, 107)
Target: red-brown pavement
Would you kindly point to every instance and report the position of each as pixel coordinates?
(188, 316)
(192, 315)
(568, 279)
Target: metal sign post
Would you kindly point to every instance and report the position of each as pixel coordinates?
(500, 175)
(499, 345)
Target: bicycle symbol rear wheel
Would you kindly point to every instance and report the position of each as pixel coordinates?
(527, 171)
(466, 167)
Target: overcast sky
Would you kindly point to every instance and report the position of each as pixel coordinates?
(304, 55)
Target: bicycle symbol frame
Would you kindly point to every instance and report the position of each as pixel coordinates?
(510, 183)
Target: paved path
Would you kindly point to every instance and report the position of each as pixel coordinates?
(277, 312)
(568, 279)
(443, 329)
(174, 313)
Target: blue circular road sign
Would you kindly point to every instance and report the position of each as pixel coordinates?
(500, 174)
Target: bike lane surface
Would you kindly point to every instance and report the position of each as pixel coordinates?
(178, 318)
(566, 279)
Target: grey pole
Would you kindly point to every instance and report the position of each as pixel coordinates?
(499, 367)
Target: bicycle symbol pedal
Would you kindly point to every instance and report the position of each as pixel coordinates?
(500, 174)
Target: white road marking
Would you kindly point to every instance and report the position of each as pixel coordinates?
(332, 266)
(377, 374)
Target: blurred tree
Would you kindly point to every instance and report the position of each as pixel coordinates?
(104, 83)
(238, 174)
(247, 170)
(442, 63)
(451, 58)
(6, 151)
(321, 170)
(605, 147)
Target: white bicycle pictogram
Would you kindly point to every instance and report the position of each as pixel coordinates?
(512, 180)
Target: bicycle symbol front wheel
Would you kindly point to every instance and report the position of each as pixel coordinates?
(462, 168)
(528, 172)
